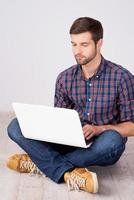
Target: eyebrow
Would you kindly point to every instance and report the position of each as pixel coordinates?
(81, 42)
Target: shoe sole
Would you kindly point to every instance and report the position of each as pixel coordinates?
(95, 182)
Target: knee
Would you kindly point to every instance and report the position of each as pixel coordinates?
(111, 141)
(116, 140)
(110, 146)
(113, 156)
(13, 129)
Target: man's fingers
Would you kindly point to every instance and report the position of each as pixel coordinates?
(90, 136)
(86, 126)
(87, 133)
(85, 129)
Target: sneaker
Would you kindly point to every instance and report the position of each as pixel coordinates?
(81, 179)
(22, 163)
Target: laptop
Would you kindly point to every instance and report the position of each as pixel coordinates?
(50, 124)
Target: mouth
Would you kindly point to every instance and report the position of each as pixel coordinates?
(79, 57)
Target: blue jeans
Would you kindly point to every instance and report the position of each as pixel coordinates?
(55, 159)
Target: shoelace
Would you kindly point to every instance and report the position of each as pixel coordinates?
(30, 166)
(76, 182)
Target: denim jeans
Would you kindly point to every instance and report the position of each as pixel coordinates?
(55, 159)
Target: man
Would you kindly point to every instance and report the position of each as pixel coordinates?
(102, 93)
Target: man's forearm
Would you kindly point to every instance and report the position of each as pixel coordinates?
(125, 129)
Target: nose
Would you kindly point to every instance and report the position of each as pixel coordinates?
(77, 51)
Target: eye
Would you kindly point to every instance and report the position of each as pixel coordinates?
(85, 44)
(73, 44)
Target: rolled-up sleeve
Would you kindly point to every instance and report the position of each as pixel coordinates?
(60, 98)
(126, 97)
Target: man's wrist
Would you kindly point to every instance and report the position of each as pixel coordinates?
(104, 128)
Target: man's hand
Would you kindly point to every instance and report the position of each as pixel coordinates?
(91, 130)
(125, 129)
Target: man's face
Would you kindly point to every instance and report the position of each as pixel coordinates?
(84, 47)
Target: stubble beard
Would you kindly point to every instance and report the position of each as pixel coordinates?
(82, 60)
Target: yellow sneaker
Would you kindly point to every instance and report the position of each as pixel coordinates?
(81, 179)
(22, 163)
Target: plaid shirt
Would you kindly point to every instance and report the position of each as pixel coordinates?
(105, 98)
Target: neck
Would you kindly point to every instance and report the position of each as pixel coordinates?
(90, 69)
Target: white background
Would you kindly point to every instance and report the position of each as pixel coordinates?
(35, 43)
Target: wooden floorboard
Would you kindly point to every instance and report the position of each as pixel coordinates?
(115, 182)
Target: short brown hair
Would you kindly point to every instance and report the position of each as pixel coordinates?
(87, 24)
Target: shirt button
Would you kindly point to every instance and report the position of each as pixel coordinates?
(97, 76)
(90, 84)
(89, 99)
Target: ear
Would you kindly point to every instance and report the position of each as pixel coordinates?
(99, 44)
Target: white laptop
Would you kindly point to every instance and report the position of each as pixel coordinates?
(51, 124)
